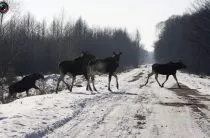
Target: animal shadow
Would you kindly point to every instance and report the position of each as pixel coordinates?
(123, 93)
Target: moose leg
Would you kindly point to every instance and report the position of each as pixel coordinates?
(72, 83)
(110, 77)
(88, 82)
(59, 80)
(165, 80)
(10, 97)
(176, 80)
(27, 93)
(93, 83)
(14, 95)
(149, 77)
(87, 87)
(67, 85)
(156, 77)
(117, 85)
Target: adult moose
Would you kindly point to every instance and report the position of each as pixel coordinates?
(25, 84)
(75, 67)
(166, 69)
(107, 65)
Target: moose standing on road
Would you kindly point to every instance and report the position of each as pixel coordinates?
(104, 66)
(166, 69)
(75, 67)
(25, 84)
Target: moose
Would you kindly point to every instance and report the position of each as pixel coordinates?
(166, 69)
(107, 65)
(75, 67)
(25, 84)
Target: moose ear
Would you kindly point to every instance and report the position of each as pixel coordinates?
(120, 53)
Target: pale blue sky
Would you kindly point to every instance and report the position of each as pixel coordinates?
(132, 14)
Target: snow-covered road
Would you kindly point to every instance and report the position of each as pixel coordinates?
(131, 111)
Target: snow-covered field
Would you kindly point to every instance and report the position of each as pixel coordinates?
(131, 111)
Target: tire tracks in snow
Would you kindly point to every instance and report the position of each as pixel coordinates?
(168, 121)
(91, 117)
(105, 115)
(196, 102)
(80, 118)
(52, 127)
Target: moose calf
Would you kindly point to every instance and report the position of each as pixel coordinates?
(166, 69)
(108, 65)
(25, 84)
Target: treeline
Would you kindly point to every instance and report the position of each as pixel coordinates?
(186, 38)
(27, 45)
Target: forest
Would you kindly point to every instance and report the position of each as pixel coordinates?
(28, 46)
(187, 38)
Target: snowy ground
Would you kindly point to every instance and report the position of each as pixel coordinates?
(131, 111)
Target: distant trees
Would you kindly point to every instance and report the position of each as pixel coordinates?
(31, 46)
(186, 37)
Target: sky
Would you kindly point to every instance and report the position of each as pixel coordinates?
(130, 14)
